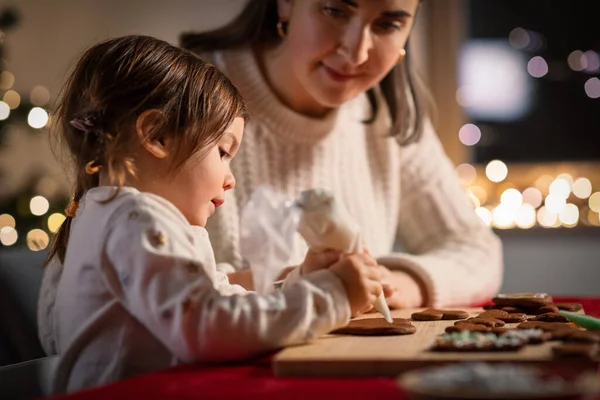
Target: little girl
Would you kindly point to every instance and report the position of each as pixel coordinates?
(151, 130)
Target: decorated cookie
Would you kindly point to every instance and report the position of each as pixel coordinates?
(477, 341)
(377, 327)
(523, 300)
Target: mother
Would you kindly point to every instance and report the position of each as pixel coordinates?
(334, 105)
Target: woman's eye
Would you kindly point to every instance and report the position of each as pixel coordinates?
(334, 12)
(389, 26)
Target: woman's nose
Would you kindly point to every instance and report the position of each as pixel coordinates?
(355, 45)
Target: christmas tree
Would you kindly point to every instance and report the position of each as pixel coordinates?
(31, 214)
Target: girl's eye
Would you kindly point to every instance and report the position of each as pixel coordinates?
(224, 154)
(334, 12)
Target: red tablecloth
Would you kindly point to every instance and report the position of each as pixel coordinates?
(256, 381)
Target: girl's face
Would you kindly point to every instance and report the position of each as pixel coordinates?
(340, 48)
(199, 187)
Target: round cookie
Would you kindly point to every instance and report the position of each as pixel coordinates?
(465, 326)
(429, 314)
(576, 350)
(491, 322)
(377, 327)
(573, 307)
(523, 300)
(451, 315)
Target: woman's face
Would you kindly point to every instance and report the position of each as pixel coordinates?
(340, 48)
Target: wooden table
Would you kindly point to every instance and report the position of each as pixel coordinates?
(256, 380)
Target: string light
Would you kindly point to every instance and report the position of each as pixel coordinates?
(485, 215)
(533, 197)
(582, 188)
(7, 80)
(555, 203)
(546, 218)
(4, 110)
(8, 236)
(37, 240)
(504, 217)
(466, 173)
(511, 199)
(577, 61)
(594, 202)
(496, 171)
(37, 118)
(39, 96)
(7, 220)
(592, 60)
(560, 187)
(592, 88)
(39, 205)
(537, 67)
(55, 221)
(12, 98)
(525, 217)
(570, 215)
(469, 135)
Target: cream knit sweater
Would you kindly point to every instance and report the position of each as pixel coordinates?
(407, 194)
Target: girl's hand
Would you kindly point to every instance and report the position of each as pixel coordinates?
(315, 261)
(400, 289)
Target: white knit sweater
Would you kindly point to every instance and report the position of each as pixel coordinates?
(410, 194)
(140, 292)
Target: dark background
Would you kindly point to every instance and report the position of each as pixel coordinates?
(563, 123)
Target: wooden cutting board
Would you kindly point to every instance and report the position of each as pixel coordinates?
(362, 356)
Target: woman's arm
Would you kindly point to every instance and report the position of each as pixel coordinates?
(450, 253)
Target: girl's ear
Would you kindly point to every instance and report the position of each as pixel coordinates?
(147, 128)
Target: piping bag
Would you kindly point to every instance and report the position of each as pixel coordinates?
(585, 321)
(269, 224)
(326, 224)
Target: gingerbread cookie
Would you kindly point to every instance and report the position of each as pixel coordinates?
(432, 314)
(465, 326)
(573, 307)
(532, 300)
(576, 350)
(549, 317)
(582, 336)
(551, 308)
(377, 327)
(491, 322)
(477, 341)
(503, 316)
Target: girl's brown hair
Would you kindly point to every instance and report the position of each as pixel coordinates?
(112, 84)
(256, 26)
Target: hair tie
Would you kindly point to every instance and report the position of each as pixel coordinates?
(71, 209)
(85, 125)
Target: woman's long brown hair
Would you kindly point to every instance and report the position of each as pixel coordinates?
(112, 84)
